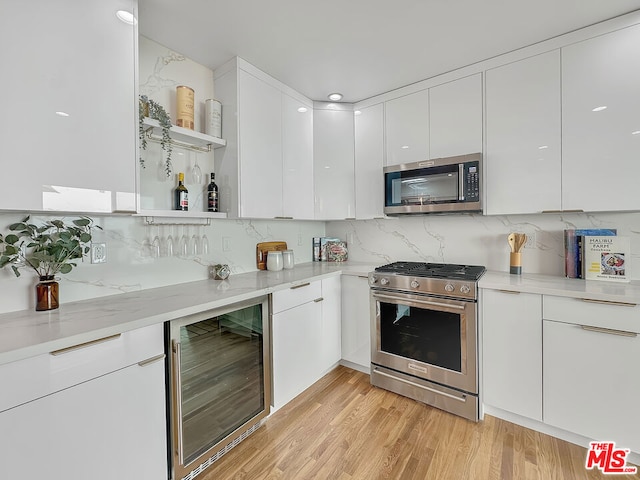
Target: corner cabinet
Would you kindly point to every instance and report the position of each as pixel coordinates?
(268, 156)
(81, 99)
(369, 162)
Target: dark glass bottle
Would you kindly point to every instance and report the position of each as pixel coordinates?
(212, 195)
(181, 195)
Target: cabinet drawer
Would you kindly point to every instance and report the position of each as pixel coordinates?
(615, 316)
(296, 295)
(35, 377)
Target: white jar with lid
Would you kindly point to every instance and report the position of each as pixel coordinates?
(287, 259)
(274, 260)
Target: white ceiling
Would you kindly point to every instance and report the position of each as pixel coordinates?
(361, 48)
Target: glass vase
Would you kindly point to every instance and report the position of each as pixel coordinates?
(47, 294)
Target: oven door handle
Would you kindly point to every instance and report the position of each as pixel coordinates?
(461, 398)
(420, 303)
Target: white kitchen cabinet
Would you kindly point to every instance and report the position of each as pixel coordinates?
(455, 117)
(600, 124)
(591, 382)
(522, 161)
(70, 106)
(104, 427)
(297, 159)
(331, 323)
(369, 162)
(267, 160)
(356, 322)
(512, 352)
(333, 161)
(407, 128)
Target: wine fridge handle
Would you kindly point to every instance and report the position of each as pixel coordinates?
(177, 396)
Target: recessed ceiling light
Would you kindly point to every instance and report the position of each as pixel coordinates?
(637, 132)
(404, 147)
(126, 17)
(335, 96)
(599, 109)
(302, 109)
(62, 114)
(542, 147)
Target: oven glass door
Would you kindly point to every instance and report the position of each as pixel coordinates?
(429, 337)
(423, 186)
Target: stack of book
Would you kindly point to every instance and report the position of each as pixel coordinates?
(596, 254)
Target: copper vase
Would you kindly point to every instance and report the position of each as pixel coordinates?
(47, 294)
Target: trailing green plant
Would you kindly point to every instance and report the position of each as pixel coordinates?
(48, 249)
(152, 109)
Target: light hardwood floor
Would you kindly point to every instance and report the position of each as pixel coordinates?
(343, 428)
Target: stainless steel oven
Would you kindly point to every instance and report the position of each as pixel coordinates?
(424, 333)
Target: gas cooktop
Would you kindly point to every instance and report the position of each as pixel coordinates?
(434, 270)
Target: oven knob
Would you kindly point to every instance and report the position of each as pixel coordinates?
(449, 288)
(372, 280)
(414, 284)
(384, 281)
(465, 289)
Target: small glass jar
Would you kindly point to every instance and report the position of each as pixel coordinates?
(287, 259)
(47, 294)
(274, 260)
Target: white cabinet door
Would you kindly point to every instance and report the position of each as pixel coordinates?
(356, 321)
(512, 352)
(296, 351)
(333, 162)
(260, 147)
(407, 128)
(590, 383)
(297, 159)
(601, 146)
(331, 323)
(369, 162)
(70, 106)
(455, 117)
(106, 428)
(522, 162)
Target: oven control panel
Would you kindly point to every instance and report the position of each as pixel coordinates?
(424, 285)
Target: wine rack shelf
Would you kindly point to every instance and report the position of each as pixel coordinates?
(183, 137)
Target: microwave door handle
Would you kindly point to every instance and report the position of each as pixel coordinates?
(461, 182)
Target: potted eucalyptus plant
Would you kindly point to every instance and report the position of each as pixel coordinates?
(47, 249)
(152, 109)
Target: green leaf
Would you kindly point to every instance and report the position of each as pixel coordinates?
(4, 261)
(15, 270)
(57, 223)
(65, 236)
(65, 268)
(10, 250)
(85, 237)
(11, 239)
(17, 226)
(82, 222)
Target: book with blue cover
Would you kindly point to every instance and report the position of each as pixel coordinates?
(573, 251)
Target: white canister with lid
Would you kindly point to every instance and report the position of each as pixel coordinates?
(287, 259)
(213, 115)
(274, 260)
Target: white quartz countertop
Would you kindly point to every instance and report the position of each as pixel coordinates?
(561, 286)
(29, 333)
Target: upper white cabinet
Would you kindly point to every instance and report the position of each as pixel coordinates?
(333, 161)
(369, 162)
(70, 106)
(600, 122)
(407, 128)
(455, 117)
(267, 159)
(522, 160)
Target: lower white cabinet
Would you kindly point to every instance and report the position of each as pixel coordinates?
(112, 426)
(331, 348)
(512, 352)
(591, 382)
(356, 321)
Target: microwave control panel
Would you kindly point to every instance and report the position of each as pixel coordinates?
(472, 182)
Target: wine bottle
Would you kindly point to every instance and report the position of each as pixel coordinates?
(212, 195)
(181, 195)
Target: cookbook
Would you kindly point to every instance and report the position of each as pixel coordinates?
(572, 248)
(606, 258)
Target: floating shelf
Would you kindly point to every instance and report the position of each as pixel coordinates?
(176, 217)
(183, 137)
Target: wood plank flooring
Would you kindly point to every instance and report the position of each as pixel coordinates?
(342, 428)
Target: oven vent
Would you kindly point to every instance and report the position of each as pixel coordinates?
(224, 450)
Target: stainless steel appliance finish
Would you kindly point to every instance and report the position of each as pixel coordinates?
(424, 336)
(220, 381)
(451, 184)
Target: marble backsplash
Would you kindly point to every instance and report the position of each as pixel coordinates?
(476, 239)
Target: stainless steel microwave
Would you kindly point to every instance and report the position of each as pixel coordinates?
(451, 184)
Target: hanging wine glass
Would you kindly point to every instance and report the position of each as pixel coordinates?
(155, 244)
(145, 247)
(170, 246)
(194, 245)
(183, 249)
(196, 173)
(204, 244)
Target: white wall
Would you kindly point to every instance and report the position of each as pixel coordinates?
(476, 239)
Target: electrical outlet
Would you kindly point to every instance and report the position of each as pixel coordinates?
(226, 244)
(98, 253)
(531, 240)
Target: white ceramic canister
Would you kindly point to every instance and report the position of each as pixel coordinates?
(185, 102)
(274, 260)
(287, 259)
(213, 118)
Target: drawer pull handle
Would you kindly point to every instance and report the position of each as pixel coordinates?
(62, 351)
(606, 302)
(319, 299)
(151, 360)
(300, 286)
(609, 331)
(512, 292)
